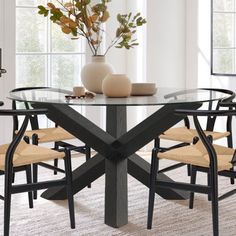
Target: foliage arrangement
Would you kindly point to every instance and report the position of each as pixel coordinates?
(82, 18)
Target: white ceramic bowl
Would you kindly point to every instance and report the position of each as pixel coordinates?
(143, 89)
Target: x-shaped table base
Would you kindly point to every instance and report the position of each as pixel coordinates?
(116, 156)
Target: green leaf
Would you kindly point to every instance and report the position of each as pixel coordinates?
(43, 10)
(136, 16)
(40, 7)
(119, 18)
(74, 31)
(99, 8)
(56, 14)
(118, 32)
(79, 5)
(140, 21)
(131, 24)
(130, 14)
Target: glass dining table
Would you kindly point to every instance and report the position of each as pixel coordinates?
(116, 146)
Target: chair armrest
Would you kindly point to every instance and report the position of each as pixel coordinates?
(228, 104)
(205, 112)
(181, 92)
(23, 112)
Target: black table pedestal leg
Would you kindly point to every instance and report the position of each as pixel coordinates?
(116, 197)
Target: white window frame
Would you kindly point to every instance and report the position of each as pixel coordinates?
(49, 53)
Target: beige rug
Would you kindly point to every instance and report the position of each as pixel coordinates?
(171, 218)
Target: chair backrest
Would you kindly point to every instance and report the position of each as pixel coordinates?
(33, 118)
(210, 118)
(34, 122)
(207, 141)
(18, 136)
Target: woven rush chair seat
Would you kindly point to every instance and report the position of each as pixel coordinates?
(197, 155)
(26, 154)
(50, 134)
(185, 135)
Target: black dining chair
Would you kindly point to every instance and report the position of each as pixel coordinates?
(232, 173)
(37, 135)
(202, 154)
(186, 135)
(21, 155)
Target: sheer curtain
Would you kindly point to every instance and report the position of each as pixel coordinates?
(136, 60)
(136, 57)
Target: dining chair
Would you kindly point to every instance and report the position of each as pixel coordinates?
(19, 154)
(37, 135)
(186, 135)
(232, 173)
(203, 154)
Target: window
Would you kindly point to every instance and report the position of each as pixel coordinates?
(223, 37)
(44, 55)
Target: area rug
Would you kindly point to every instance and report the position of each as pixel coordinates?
(171, 218)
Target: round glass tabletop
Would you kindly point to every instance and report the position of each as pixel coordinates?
(163, 96)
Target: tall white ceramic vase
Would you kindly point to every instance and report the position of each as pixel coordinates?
(92, 74)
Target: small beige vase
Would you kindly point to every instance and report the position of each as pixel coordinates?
(116, 85)
(93, 73)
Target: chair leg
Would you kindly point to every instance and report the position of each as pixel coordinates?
(209, 184)
(55, 160)
(88, 156)
(153, 173)
(7, 201)
(189, 169)
(232, 179)
(214, 202)
(192, 181)
(13, 177)
(230, 144)
(157, 143)
(35, 141)
(35, 178)
(69, 189)
(29, 181)
(55, 165)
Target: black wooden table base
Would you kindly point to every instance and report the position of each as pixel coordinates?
(116, 157)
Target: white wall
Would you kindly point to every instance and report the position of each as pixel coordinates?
(7, 81)
(191, 43)
(166, 44)
(198, 51)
